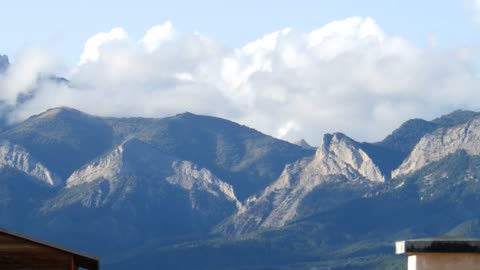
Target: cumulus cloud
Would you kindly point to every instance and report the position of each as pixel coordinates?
(348, 76)
(157, 35)
(91, 51)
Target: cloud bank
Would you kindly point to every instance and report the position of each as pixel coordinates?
(348, 76)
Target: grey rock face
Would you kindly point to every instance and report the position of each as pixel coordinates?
(339, 154)
(134, 163)
(16, 157)
(441, 143)
(188, 176)
(108, 168)
(338, 160)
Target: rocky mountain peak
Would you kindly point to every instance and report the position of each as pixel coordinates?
(185, 114)
(441, 143)
(304, 144)
(64, 139)
(330, 141)
(339, 154)
(59, 112)
(339, 161)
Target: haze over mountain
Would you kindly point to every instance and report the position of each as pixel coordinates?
(4, 63)
(304, 144)
(199, 192)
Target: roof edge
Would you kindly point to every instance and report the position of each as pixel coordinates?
(88, 259)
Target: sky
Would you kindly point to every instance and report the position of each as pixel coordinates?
(65, 25)
(291, 69)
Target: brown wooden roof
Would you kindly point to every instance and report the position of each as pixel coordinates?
(82, 260)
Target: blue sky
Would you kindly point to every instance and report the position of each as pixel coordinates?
(291, 69)
(65, 25)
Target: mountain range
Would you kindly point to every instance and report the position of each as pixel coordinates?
(199, 192)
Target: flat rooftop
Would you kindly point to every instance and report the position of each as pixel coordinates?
(438, 245)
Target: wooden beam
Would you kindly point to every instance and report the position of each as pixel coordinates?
(73, 263)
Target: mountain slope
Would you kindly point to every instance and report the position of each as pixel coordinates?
(148, 193)
(356, 235)
(407, 135)
(338, 166)
(144, 196)
(24, 184)
(63, 139)
(15, 157)
(244, 157)
(134, 163)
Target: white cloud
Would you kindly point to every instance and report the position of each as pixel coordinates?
(342, 36)
(91, 51)
(266, 43)
(348, 76)
(23, 75)
(157, 35)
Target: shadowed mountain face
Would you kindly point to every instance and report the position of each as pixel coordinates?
(199, 192)
(407, 135)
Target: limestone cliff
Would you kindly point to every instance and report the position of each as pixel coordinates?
(338, 161)
(441, 143)
(16, 157)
